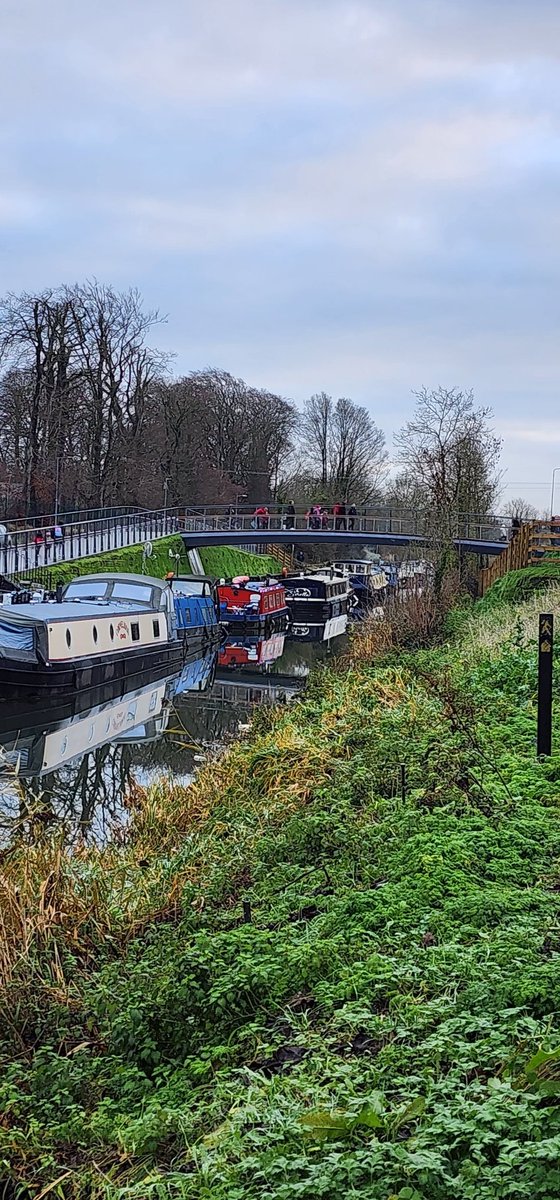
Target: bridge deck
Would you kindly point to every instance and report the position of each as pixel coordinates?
(316, 537)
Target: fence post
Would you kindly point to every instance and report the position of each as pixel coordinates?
(544, 715)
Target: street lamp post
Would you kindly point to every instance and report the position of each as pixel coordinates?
(552, 492)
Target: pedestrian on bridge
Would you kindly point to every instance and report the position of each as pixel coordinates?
(262, 517)
(352, 514)
(56, 534)
(339, 514)
(38, 541)
(289, 521)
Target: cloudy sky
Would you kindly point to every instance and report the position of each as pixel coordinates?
(360, 196)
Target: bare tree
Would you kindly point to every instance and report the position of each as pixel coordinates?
(357, 455)
(37, 338)
(342, 451)
(450, 451)
(316, 433)
(117, 369)
(521, 509)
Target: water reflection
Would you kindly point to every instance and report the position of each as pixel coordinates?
(77, 762)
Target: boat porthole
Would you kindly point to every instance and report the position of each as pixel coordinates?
(112, 632)
(68, 638)
(95, 633)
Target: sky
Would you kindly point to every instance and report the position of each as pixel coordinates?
(355, 196)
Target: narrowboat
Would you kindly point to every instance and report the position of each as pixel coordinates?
(196, 608)
(318, 597)
(99, 628)
(253, 604)
(368, 580)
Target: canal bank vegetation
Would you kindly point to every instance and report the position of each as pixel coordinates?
(225, 562)
(167, 554)
(129, 559)
(329, 968)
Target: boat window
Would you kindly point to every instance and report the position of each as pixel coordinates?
(132, 591)
(156, 628)
(135, 631)
(95, 633)
(85, 591)
(112, 632)
(68, 638)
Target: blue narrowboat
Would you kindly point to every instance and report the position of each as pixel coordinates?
(196, 610)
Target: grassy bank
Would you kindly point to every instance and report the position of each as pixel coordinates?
(385, 1025)
(128, 559)
(224, 562)
(219, 561)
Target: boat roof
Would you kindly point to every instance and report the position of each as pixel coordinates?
(319, 577)
(67, 610)
(119, 577)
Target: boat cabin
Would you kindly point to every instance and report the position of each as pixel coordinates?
(95, 615)
(251, 600)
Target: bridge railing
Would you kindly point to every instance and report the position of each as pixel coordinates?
(368, 520)
(26, 547)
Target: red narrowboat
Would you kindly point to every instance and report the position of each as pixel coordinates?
(253, 603)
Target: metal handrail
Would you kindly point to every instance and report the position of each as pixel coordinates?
(31, 546)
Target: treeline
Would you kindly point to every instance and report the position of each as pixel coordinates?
(91, 415)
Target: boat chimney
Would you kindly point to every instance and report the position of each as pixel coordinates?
(58, 595)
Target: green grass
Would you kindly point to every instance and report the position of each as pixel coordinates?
(219, 561)
(129, 559)
(517, 586)
(224, 562)
(387, 1024)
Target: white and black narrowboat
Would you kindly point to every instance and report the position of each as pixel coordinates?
(317, 598)
(99, 628)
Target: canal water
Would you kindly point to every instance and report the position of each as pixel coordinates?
(76, 763)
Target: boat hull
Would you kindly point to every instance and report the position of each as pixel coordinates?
(58, 678)
(261, 624)
(316, 610)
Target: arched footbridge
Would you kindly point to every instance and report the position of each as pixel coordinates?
(289, 537)
(29, 543)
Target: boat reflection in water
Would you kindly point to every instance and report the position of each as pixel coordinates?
(76, 762)
(323, 632)
(251, 651)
